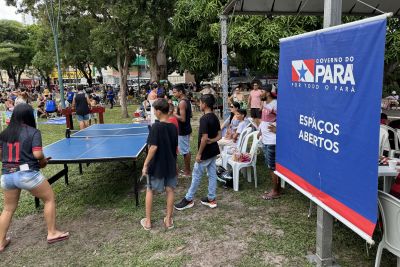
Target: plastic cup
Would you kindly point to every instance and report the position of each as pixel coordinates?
(392, 163)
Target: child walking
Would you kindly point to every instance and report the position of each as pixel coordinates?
(160, 163)
(209, 134)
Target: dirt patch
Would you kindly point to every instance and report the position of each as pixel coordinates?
(203, 237)
(217, 252)
(89, 232)
(272, 259)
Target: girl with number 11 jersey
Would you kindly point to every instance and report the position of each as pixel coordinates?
(22, 158)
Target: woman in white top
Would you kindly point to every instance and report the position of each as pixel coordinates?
(22, 97)
(238, 97)
(151, 98)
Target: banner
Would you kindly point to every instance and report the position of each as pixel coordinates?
(330, 86)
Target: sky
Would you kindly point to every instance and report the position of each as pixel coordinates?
(9, 12)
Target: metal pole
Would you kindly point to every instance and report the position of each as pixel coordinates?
(138, 78)
(332, 17)
(332, 13)
(60, 78)
(224, 60)
(76, 77)
(54, 26)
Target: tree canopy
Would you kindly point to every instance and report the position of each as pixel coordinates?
(15, 51)
(110, 33)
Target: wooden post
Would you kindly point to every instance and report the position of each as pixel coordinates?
(68, 115)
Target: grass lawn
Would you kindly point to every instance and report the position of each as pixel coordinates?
(98, 209)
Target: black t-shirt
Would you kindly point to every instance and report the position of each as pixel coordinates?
(21, 152)
(81, 104)
(165, 136)
(184, 127)
(209, 124)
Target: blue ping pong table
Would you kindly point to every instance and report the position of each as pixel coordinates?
(98, 143)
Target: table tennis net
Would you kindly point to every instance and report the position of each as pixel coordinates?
(115, 132)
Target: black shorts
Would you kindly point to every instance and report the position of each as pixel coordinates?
(255, 113)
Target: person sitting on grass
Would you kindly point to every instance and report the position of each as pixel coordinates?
(50, 105)
(22, 158)
(160, 163)
(9, 104)
(209, 134)
(41, 113)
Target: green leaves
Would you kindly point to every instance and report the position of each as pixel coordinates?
(15, 50)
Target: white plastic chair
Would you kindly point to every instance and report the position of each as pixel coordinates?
(253, 124)
(390, 210)
(237, 166)
(225, 155)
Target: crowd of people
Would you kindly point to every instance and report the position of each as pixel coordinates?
(167, 141)
(170, 135)
(48, 104)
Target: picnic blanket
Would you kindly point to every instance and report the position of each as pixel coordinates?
(55, 121)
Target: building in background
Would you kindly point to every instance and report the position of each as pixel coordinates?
(176, 77)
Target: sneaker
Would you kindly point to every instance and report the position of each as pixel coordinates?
(184, 204)
(209, 203)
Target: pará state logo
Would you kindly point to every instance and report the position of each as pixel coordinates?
(336, 73)
(303, 70)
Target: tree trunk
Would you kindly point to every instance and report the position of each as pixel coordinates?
(123, 67)
(162, 58)
(11, 74)
(87, 73)
(19, 76)
(158, 61)
(154, 75)
(90, 78)
(100, 79)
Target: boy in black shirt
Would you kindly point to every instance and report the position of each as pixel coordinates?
(160, 163)
(209, 134)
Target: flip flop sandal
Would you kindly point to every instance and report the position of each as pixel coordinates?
(143, 224)
(8, 241)
(62, 237)
(169, 227)
(267, 197)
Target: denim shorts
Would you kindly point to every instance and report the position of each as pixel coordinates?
(159, 184)
(184, 144)
(27, 180)
(269, 155)
(83, 117)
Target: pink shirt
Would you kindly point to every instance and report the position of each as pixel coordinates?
(255, 98)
